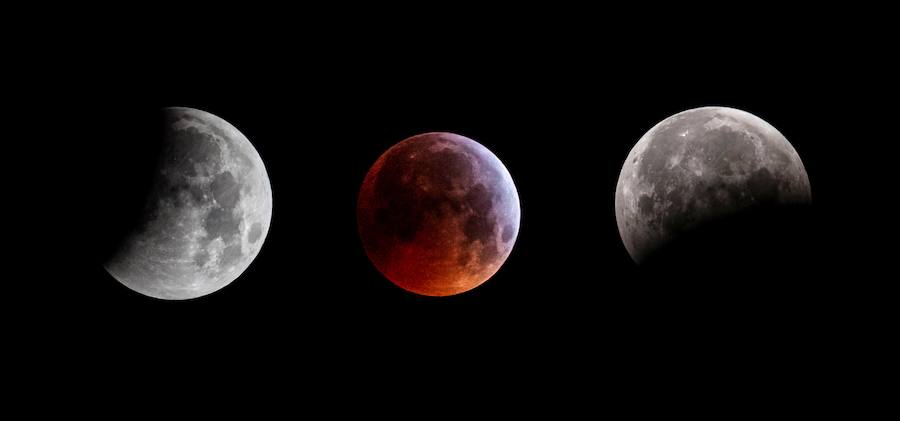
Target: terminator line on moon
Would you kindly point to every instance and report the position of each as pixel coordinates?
(699, 165)
(207, 217)
(438, 214)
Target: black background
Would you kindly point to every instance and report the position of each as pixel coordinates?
(764, 313)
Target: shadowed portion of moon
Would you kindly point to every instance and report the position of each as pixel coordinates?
(438, 214)
(699, 166)
(207, 215)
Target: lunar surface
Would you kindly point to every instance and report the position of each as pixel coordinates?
(701, 165)
(438, 214)
(208, 214)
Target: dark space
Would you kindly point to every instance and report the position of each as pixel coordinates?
(761, 305)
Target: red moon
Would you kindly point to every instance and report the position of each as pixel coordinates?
(438, 214)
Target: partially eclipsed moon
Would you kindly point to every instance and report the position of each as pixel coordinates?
(700, 165)
(208, 214)
(438, 214)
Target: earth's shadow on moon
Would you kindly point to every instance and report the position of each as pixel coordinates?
(123, 183)
(759, 252)
(747, 277)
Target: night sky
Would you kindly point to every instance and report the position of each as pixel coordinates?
(766, 301)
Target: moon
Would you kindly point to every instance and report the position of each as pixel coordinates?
(438, 214)
(207, 216)
(700, 165)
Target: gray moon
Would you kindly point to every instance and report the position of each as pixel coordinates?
(699, 165)
(207, 216)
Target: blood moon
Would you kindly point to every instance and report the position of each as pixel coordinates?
(438, 214)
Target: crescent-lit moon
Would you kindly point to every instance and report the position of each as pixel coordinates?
(208, 214)
(701, 165)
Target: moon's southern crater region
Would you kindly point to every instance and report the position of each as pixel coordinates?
(700, 165)
(438, 214)
(207, 216)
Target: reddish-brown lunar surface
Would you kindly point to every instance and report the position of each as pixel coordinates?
(438, 214)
